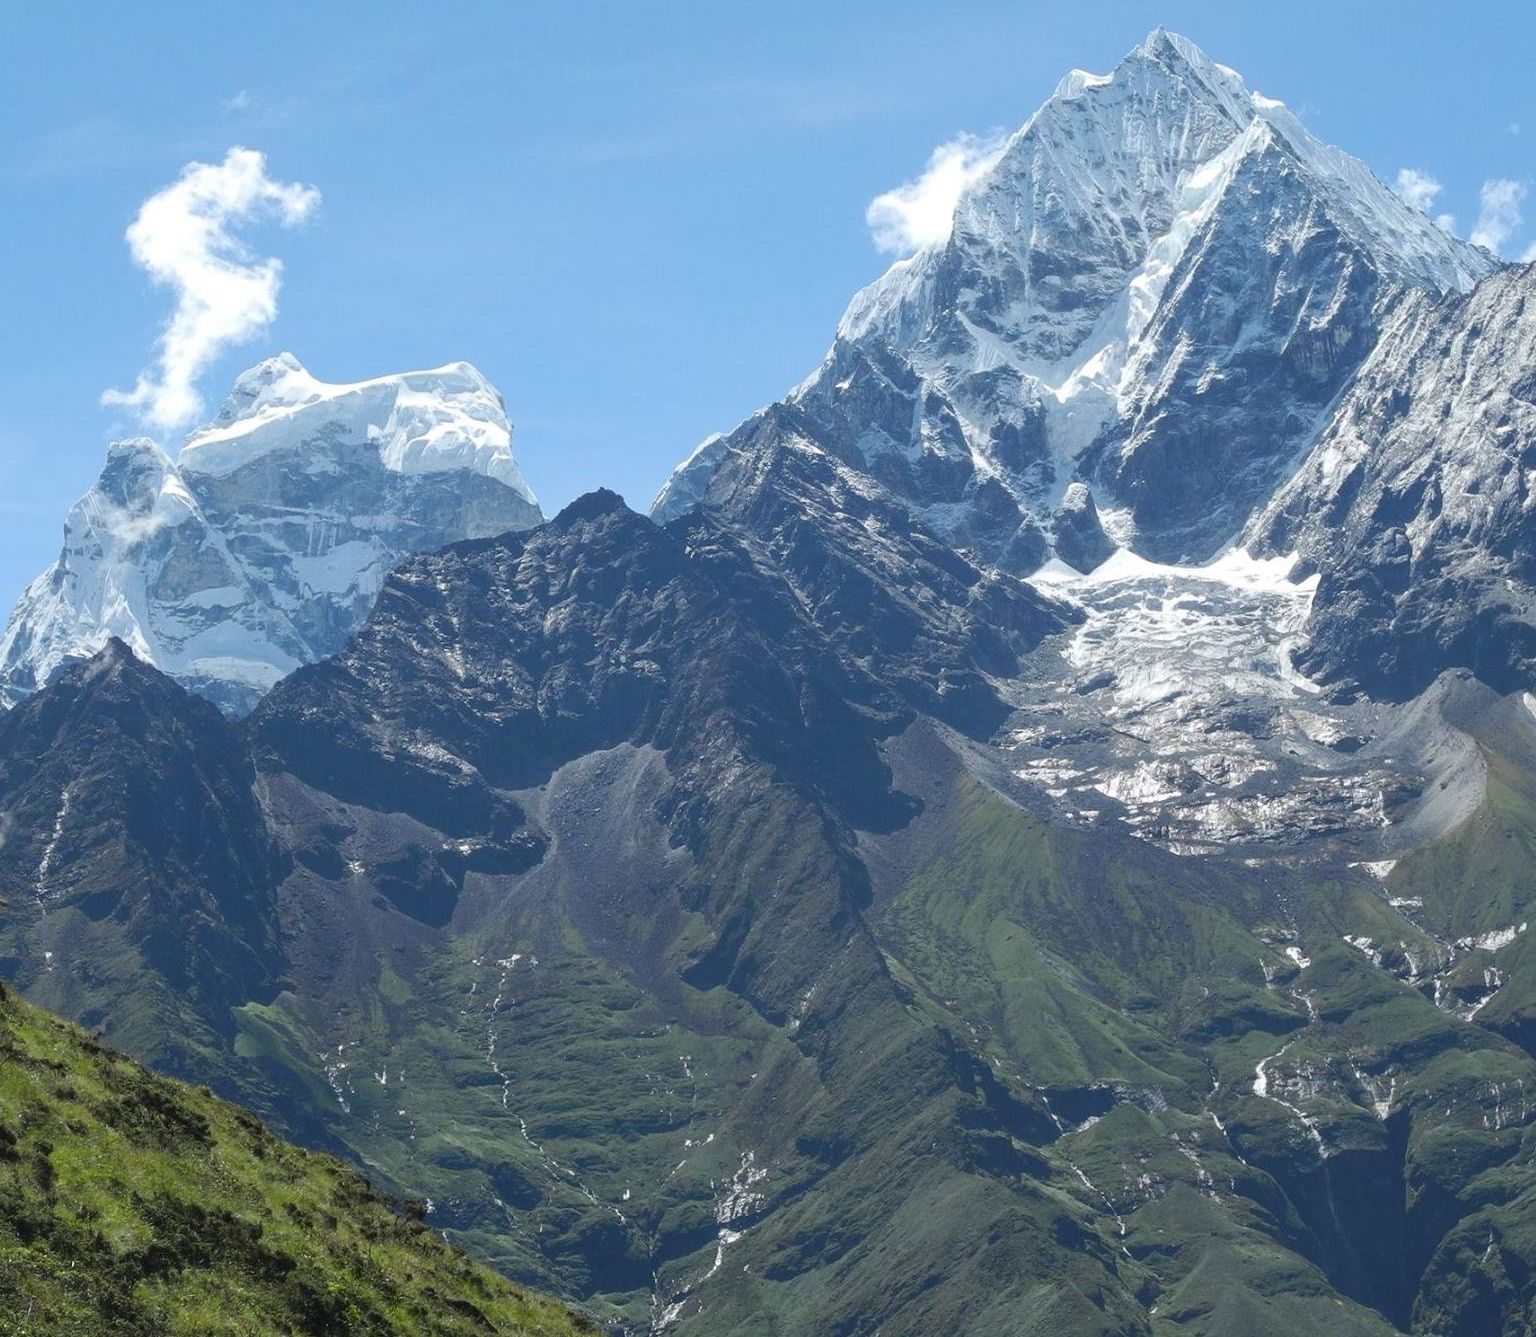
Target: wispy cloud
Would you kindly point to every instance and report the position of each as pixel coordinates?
(83, 149)
(1419, 188)
(921, 212)
(1499, 213)
(185, 238)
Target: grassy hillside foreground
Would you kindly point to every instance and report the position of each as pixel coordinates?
(132, 1204)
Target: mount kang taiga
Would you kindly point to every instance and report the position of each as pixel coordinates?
(264, 544)
(1034, 835)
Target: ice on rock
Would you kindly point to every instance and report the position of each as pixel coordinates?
(1492, 941)
(1164, 632)
(1420, 469)
(1177, 699)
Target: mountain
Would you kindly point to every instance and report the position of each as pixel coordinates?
(131, 1204)
(133, 835)
(1141, 313)
(724, 985)
(264, 544)
(690, 972)
(1032, 835)
(1415, 503)
(943, 630)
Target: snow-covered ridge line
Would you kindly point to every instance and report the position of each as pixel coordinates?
(1245, 122)
(1233, 567)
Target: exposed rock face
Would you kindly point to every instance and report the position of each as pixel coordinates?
(1078, 535)
(1158, 288)
(596, 630)
(936, 626)
(1416, 501)
(265, 544)
(134, 840)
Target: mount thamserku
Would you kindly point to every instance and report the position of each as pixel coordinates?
(1033, 834)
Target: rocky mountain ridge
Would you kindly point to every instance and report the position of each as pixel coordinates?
(689, 971)
(1415, 503)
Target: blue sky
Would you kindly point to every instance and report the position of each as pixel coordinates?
(640, 220)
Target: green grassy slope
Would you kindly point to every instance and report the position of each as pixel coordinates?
(133, 1204)
(1381, 1140)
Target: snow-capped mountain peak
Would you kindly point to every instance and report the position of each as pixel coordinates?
(1096, 176)
(1156, 288)
(264, 544)
(275, 382)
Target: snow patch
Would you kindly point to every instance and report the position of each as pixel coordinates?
(1493, 940)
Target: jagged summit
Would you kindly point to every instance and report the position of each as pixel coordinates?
(1155, 289)
(590, 505)
(1116, 172)
(263, 545)
(257, 387)
(1174, 55)
(1110, 154)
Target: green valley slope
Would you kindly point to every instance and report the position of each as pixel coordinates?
(133, 1204)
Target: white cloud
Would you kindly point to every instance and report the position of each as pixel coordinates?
(920, 212)
(1499, 214)
(1529, 254)
(239, 102)
(1420, 189)
(185, 238)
